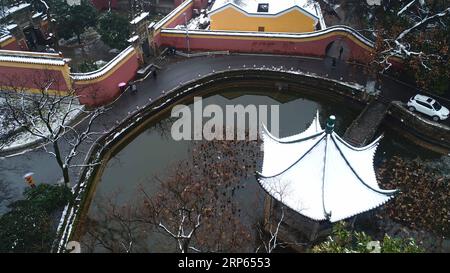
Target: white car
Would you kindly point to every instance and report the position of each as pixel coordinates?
(428, 106)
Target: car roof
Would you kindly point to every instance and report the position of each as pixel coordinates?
(424, 98)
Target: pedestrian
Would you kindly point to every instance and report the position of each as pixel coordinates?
(340, 52)
(155, 74)
(333, 63)
(133, 88)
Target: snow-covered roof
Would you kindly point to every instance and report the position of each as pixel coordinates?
(11, 26)
(12, 9)
(274, 6)
(36, 15)
(133, 39)
(139, 18)
(4, 34)
(152, 24)
(319, 175)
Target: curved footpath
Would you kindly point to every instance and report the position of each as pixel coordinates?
(169, 77)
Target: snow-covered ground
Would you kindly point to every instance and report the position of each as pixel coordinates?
(24, 138)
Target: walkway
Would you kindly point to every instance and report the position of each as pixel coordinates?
(364, 127)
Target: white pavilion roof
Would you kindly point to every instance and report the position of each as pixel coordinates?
(321, 176)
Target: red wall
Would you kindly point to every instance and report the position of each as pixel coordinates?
(316, 48)
(180, 19)
(106, 90)
(12, 46)
(92, 92)
(200, 4)
(23, 45)
(32, 78)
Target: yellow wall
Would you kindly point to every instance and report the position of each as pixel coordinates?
(7, 42)
(232, 19)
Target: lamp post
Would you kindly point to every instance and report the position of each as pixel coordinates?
(187, 33)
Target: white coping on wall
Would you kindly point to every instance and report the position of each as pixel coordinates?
(103, 70)
(31, 57)
(273, 34)
(139, 18)
(13, 9)
(5, 38)
(133, 39)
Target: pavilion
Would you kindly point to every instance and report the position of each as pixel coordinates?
(319, 175)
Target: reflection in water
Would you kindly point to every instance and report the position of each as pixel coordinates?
(154, 156)
(134, 175)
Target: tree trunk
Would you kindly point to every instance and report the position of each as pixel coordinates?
(186, 246)
(64, 168)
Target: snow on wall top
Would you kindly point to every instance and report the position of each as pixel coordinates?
(11, 10)
(11, 26)
(4, 37)
(103, 70)
(139, 18)
(275, 34)
(274, 6)
(133, 39)
(36, 15)
(31, 57)
(4, 34)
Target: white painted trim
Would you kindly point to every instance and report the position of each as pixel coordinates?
(273, 34)
(5, 38)
(105, 69)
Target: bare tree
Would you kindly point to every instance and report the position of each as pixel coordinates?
(113, 227)
(274, 218)
(44, 114)
(195, 205)
(421, 21)
(268, 234)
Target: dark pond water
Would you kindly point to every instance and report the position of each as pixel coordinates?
(153, 151)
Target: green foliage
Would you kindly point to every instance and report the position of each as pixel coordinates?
(28, 227)
(396, 245)
(343, 240)
(74, 20)
(114, 30)
(25, 229)
(48, 197)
